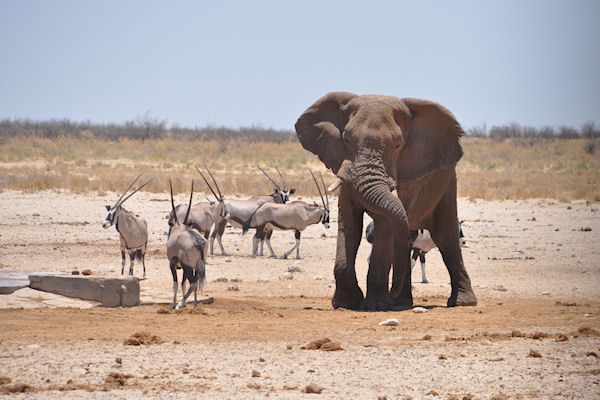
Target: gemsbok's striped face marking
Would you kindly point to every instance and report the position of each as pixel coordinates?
(110, 218)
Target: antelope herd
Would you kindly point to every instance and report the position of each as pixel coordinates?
(190, 226)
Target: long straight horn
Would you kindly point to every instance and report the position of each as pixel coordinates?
(126, 190)
(324, 189)
(216, 185)
(282, 179)
(318, 187)
(136, 190)
(267, 175)
(172, 202)
(187, 214)
(208, 184)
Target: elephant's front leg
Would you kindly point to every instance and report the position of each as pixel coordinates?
(378, 296)
(401, 280)
(350, 220)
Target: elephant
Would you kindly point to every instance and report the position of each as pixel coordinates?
(395, 160)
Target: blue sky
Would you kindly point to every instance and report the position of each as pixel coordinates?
(243, 63)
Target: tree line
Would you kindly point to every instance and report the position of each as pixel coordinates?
(139, 129)
(515, 130)
(149, 128)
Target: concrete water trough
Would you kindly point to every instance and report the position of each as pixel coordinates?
(111, 292)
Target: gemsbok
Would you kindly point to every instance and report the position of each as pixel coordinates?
(420, 246)
(132, 228)
(202, 215)
(239, 211)
(295, 216)
(186, 250)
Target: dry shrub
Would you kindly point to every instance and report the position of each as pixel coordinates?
(116, 379)
(315, 344)
(534, 354)
(324, 344)
(517, 333)
(143, 338)
(313, 388)
(17, 388)
(587, 331)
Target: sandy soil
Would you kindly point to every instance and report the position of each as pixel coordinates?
(535, 266)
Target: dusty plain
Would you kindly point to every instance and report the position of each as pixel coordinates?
(534, 264)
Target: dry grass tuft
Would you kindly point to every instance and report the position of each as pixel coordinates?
(143, 338)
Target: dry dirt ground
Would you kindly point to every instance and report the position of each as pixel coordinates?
(535, 266)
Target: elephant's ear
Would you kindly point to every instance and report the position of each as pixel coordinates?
(320, 128)
(432, 140)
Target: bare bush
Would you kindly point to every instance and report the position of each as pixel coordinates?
(567, 132)
(589, 130)
(590, 147)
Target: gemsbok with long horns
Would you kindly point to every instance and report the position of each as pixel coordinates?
(186, 250)
(202, 215)
(295, 216)
(132, 228)
(240, 210)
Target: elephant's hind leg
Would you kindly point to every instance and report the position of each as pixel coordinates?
(444, 233)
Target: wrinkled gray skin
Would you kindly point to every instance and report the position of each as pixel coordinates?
(396, 159)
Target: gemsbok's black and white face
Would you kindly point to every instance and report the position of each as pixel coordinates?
(461, 240)
(326, 218)
(110, 218)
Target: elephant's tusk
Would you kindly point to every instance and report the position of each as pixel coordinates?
(334, 185)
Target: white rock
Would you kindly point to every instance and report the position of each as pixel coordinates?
(545, 293)
(318, 278)
(587, 315)
(390, 322)
(287, 276)
(419, 310)
(499, 288)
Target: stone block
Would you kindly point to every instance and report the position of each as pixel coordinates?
(111, 292)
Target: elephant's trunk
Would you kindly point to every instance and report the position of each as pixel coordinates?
(375, 193)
